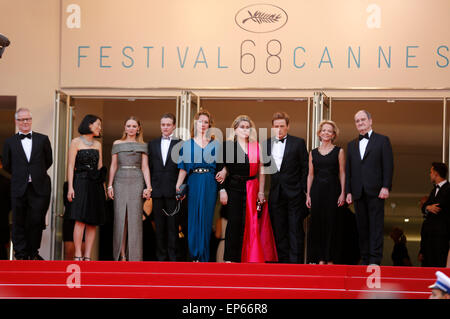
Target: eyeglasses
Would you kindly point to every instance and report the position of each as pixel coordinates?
(28, 119)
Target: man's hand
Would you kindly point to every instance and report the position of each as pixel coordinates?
(434, 208)
(384, 193)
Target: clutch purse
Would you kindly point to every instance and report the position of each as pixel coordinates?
(182, 192)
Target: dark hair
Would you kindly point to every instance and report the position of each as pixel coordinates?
(84, 125)
(440, 168)
(280, 116)
(169, 116)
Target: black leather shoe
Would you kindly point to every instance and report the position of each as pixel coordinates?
(21, 257)
(36, 257)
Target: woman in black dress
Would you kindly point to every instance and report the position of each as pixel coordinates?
(325, 193)
(85, 185)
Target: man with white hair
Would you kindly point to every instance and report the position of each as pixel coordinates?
(27, 156)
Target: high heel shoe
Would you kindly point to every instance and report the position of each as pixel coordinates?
(122, 258)
(86, 259)
(76, 258)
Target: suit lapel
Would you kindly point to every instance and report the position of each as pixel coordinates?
(287, 149)
(158, 151)
(34, 143)
(173, 141)
(20, 147)
(372, 141)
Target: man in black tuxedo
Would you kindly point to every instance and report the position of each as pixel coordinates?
(27, 156)
(369, 171)
(164, 174)
(287, 165)
(435, 231)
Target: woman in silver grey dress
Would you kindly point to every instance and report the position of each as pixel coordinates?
(129, 183)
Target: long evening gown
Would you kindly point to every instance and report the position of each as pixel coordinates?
(325, 191)
(202, 195)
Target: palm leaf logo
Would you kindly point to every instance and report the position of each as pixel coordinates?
(262, 17)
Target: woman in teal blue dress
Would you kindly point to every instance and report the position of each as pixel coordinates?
(198, 162)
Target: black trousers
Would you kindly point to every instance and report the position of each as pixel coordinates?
(287, 215)
(28, 222)
(434, 243)
(166, 228)
(234, 233)
(370, 223)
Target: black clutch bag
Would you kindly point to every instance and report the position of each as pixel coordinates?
(182, 192)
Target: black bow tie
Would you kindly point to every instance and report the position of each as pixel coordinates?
(22, 136)
(363, 136)
(281, 140)
(437, 186)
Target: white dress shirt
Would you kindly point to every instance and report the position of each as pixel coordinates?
(165, 144)
(278, 152)
(363, 144)
(27, 144)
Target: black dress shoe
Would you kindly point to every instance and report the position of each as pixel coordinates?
(20, 257)
(36, 257)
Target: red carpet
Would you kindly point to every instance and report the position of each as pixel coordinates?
(161, 280)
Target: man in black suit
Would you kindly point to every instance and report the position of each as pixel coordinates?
(287, 165)
(164, 174)
(27, 156)
(369, 171)
(435, 231)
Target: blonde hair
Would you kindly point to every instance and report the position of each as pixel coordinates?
(335, 129)
(196, 117)
(139, 133)
(243, 118)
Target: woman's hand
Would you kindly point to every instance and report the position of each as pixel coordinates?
(261, 197)
(341, 200)
(220, 176)
(147, 193)
(177, 189)
(111, 192)
(70, 194)
(223, 196)
(308, 201)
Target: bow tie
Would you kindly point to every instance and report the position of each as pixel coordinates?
(363, 136)
(281, 140)
(437, 186)
(165, 138)
(22, 136)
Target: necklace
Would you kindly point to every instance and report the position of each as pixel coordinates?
(86, 142)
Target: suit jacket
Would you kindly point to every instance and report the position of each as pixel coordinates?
(438, 224)
(374, 171)
(163, 177)
(293, 172)
(16, 163)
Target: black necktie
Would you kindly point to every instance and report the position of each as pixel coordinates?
(363, 136)
(22, 136)
(281, 140)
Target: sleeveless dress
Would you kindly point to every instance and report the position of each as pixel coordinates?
(202, 195)
(88, 205)
(325, 191)
(128, 202)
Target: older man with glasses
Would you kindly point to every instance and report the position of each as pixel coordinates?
(27, 156)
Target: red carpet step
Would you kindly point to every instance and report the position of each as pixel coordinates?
(182, 280)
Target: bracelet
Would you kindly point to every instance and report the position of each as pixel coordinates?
(109, 187)
(259, 193)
